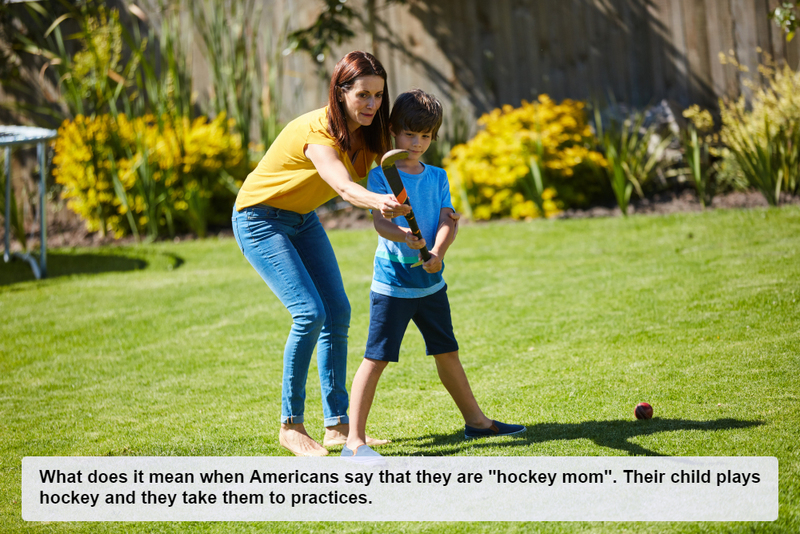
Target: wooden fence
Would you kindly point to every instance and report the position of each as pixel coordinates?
(482, 54)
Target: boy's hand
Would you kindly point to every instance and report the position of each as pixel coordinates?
(433, 265)
(413, 242)
(455, 216)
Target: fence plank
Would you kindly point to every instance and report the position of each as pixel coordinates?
(777, 36)
(719, 23)
(524, 28)
(506, 56)
(793, 53)
(636, 19)
(543, 18)
(746, 39)
(657, 35)
(581, 73)
(697, 52)
(762, 24)
(596, 67)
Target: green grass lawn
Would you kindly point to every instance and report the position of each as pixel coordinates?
(175, 350)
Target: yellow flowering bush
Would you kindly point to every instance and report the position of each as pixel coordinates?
(762, 133)
(775, 98)
(489, 173)
(146, 174)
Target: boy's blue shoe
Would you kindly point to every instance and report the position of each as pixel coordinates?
(362, 455)
(497, 429)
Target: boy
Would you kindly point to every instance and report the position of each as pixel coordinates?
(401, 293)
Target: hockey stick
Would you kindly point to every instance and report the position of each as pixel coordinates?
(399, 190)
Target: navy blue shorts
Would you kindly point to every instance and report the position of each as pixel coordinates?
(389, 317)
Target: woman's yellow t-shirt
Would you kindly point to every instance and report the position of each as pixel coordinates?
(286, 179)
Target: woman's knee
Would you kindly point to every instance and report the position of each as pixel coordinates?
(344, 311)
(340, 311)
(310, 319)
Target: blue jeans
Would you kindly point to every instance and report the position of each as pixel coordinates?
(293, 255)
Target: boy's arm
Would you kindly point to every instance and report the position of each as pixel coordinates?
(384, 226)
(389, 230)
(445, 235)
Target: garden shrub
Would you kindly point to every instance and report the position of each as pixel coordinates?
(147, 175)
(762, 132)
(634, 152)
(700, 148)
(490, 174)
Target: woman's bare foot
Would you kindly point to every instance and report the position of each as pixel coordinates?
(295, 438)
(337, 435)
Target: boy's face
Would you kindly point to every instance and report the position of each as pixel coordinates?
(415, 142)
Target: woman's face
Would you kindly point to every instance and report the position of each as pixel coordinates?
(362, 101)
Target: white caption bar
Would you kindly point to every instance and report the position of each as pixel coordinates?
(402, 489)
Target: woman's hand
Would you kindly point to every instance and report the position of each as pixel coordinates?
(391, 208)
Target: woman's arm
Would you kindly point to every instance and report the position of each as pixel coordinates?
(336, 175)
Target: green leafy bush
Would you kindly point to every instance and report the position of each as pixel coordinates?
(633, 152)
(700, 149)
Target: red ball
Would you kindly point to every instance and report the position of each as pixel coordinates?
(643, 411)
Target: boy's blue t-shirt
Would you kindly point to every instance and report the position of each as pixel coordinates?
(393, 275)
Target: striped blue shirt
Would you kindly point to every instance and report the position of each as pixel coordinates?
(393, 275)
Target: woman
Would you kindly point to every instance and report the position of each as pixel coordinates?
(316, 157)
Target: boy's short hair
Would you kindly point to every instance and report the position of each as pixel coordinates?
(416, 111)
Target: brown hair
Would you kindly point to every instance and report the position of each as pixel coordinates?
(376, 135)
(416, 111)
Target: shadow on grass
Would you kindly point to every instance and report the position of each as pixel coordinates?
(67, 264)
(612, 434)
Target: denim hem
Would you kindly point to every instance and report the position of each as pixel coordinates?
(292, 419)
(340, 420)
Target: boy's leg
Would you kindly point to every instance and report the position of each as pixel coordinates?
(454, 379)
(434, 322)
(363, 393)
(388, 320)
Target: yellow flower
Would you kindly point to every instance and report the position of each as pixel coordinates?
(98, 159)
(492, 168)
